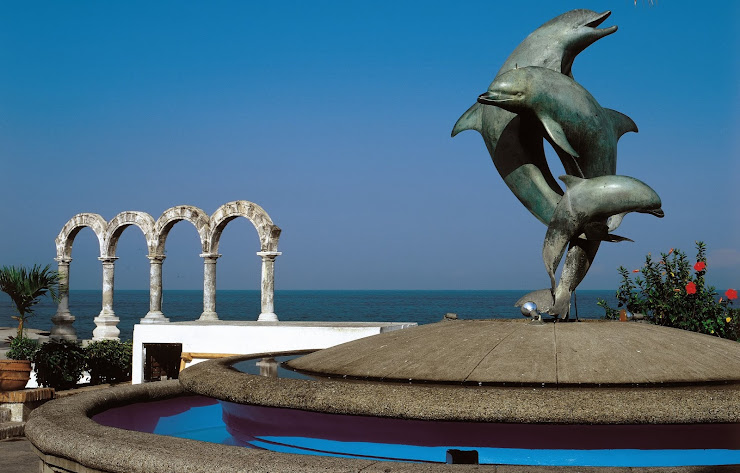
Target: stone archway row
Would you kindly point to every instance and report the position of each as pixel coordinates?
(155, 232)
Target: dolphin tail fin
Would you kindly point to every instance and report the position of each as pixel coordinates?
(470, 120)
(622, 123)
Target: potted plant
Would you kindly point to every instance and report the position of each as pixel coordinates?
(15, 371)
(25, 288)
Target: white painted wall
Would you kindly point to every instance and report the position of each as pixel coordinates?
(250, 337)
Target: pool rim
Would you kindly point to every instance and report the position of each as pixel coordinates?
(64, 436)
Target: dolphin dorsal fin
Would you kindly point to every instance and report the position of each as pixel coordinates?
(570, 181)
(621, 122)
(470, 120)
(555, 131)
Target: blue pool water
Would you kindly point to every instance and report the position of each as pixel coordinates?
(199, 418)
(311, 433)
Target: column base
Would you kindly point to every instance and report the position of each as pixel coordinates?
(156, 317)
(208, 316)
(106, 327)
(63, 328)
(267, 317)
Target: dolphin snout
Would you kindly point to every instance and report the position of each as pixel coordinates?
(493, 98)
(657, 212)
(601, 32)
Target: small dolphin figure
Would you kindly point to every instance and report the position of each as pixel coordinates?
(523, 166)
(582, 213)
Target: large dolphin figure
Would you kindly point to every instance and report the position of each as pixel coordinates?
(523, 166)
(582, 210)
(583, 133)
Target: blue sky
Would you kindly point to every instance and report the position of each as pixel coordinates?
(336, 117)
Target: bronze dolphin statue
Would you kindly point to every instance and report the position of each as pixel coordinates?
(522, 164)
(584, 134)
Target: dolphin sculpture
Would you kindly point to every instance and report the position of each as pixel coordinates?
(584, 135)
(523, 166)
(582, 212)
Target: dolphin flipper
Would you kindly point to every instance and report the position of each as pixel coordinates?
(614, 221)
(470, 120)
(556, 133)
(600, 231)
(622, 123)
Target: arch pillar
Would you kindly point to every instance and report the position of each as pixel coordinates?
(155, 314)
(268, 286)
(106, 323)
(209, 286)
(63, 319)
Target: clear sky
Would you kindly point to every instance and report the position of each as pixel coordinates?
(335, 117)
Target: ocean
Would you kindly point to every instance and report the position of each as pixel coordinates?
(422, 307)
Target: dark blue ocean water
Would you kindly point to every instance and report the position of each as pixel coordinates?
(342, 306)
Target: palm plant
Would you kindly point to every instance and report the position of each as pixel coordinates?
(26, 287)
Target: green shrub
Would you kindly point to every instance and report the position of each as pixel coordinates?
(109, 361)
(673, 293)
(59, 364)
(22, 348)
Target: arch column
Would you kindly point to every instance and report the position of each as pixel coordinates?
(155, 314)
(268, 285)
(209, 286)
(63, 319)
(106, 322)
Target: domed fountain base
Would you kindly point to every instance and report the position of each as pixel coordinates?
(518, 353)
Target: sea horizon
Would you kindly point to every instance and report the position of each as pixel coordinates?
(341, 305)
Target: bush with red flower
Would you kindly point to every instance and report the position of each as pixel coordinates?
(673, 293)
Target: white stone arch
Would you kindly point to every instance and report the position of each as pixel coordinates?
(189, 213)
(267, 231)
(69, 231)
(268, 234)
(63, 319)
(123, 220)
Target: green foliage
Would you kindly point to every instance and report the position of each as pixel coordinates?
(59, 364)
(22, 348)
(673, 293)
(109, 361)
(26, 287)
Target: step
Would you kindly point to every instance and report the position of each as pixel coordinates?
(12, 429)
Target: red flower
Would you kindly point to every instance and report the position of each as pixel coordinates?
(691, 288)
(670, 251)
(731, 294)
(635, 270)
(700, 266)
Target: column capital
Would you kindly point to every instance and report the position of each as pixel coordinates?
(63, 259)
(213, 256)
(156, 258)
(269, 254)
(108, 259)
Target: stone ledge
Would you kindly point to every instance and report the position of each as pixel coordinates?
(12, 429)
(27, 395)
